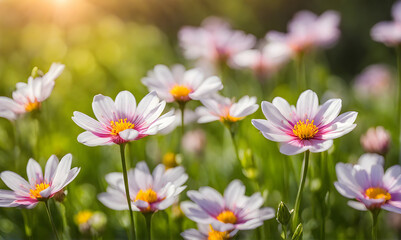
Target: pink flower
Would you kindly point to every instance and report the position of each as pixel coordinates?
(214, 42)
(265, 62)
(376, 140)
(180, 85)
(306, 30)
(29, 96)
(307, 126)
(206, 232)
(39, 188)
(122, 121)
(389, 33)
(369, 184)
(375, 80)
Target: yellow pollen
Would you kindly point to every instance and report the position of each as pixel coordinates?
(229, 118)
(216, 235)
(30, 106)
(35, 193)
(305, 130)
(227, 217)
(180, 92)
(120, 126)
(377, 193)
(149, 196)
(83, 217)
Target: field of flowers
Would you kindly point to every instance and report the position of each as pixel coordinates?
(199, 120)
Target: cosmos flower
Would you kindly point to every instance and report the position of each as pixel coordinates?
(389, 33)
(375, 80)
(307, 126)
(369, 184)
(39, 188)
(233, 211)
(180, 85)
(214, 41)
(29, 96)
(263, 62)
(226, 110)
(376, 140)
(206, 232)
(149, 192)
(122, 121)
(307, 30)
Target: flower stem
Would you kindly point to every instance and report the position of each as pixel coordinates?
(398, 118)
(148, 217)
(295, 219)
(375, 214)
(127, 193)
(232, 134)
(51, 220)
(301, 71)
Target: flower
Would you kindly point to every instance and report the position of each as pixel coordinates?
(389, 33)
(214, 42)
(369, 185)
(263, 62)
(90, 222)
(39, 188)
(29, 96)
(194, 141)
(233, 211)
(307, 126)
(149, 192)
(206, 232)
(307, 30)
(375, 80)
(225, 109)
(376, 140)
(180, 85)
(122, 121)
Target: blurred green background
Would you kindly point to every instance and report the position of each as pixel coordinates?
(108, 46)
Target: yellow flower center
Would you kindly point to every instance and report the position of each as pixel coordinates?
(35, 193)
(120, 126)
(377, 193)
(180, 92)
(305, 130)
(83, 217)
(216, 235)
(149, 196)
(30, 106)
(227, 217)
(229, 118)
(169, 160)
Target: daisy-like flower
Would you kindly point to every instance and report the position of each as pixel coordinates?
(307, 126)
(214, 41)
(180, 85)
(389, 33)
(40, 187)
(29, 96)
(226, 110)
(263, 62)
(206, 232)
(148, 192)
(122, 121)
(307, 30)
(376, 140)
(375, 80)
(233, 211)
(369, 184)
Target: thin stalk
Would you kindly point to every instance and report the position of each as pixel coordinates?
(398, 50)
(148, 217)
(284, 233)
(182, 108)
(127, 193)
(301, 72)
(375, 214)
(51, 220)
(232, 134)
(28, 230)
(295, 219)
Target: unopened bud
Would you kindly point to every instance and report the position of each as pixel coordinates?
(36, 72)
(60, 195)
(283, 215)
(298, 232)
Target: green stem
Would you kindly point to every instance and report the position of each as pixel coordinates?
(284, 234)
(232, 134)
(398, 50)
(51, 220)
(182, 108)
(148, 217)
(295, 219)
(127, 193)
(28, 229)
(375, 214)
(301, 72)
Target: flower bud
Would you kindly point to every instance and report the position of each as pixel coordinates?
(376, 140)
(298, 232)
(283, 215)
(36, 72)
(60, 195)
(248, 164)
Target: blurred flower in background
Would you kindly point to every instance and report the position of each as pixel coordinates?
(389, 33)
(374, 81)
(206, 232)
(194, 141)
(89, 222)
(376, 140)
